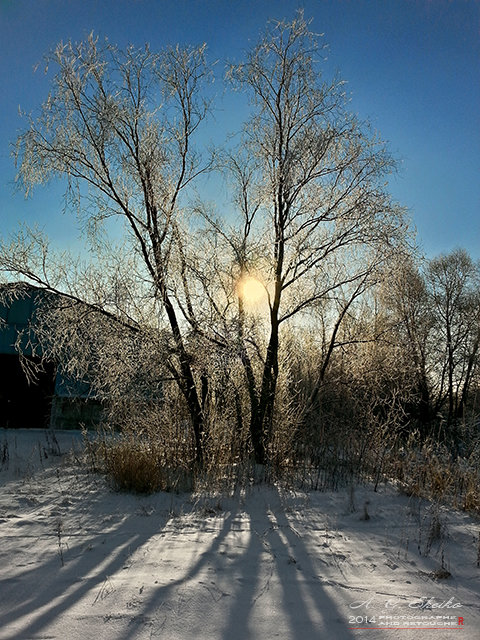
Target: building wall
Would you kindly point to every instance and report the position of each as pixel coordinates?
(51, 401)
(24, 404)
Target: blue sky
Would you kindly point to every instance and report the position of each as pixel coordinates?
(412, 66)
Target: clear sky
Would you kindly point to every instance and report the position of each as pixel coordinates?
(412, 66)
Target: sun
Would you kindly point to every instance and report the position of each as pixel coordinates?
(250, 290)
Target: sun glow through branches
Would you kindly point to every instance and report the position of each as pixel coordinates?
(250, 290)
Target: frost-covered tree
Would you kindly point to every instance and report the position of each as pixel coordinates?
(314, 221)
(453, 283)
(436, 315)
(318, 178)
(118, 126)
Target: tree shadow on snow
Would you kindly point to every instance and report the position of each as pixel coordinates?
(48, 589)
(256, 575)
(297, 597)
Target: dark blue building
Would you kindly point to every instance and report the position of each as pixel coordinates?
(49, 401)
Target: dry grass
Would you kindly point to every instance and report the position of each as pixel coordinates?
(430, 470)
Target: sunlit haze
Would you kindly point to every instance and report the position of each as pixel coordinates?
(251, 290)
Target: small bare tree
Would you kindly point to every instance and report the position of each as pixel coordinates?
(404, 295)
(435, 309)
(453, 283)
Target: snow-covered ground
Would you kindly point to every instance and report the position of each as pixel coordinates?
(79, 561)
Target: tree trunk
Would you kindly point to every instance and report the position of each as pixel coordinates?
(187, 381)
(261, 424)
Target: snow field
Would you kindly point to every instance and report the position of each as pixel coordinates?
(78, 560)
